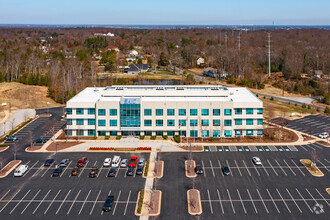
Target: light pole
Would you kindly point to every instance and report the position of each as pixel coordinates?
(48, 107)
(56, 155)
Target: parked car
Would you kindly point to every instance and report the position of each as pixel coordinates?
(20, 170)
(64, 162)
(107, 204)
(48, 162)
(116, 161)
(57, 171)
(141, 163)
(199, 169)
(11, 138)
(40, 140)
(133, 161)
(256, 160)
(130, 171)
(112, 172)
(75, 171)
(107, 162)
(139, 171)
(81, 162)
(94, 172)
(324, 135)
(124, 163)
(226, 170)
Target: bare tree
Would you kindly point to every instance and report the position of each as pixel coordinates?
(12, 123)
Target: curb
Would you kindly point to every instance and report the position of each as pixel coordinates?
(9, 171)
(159, 203)
(186, 166)
(199, 203)
(162, 171)
(4, 148)
(319, 172)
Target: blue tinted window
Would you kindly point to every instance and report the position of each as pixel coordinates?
(193, 122)
(249, 111)
(238, 111)
(91, 121)
(91, 132)
(159, 122)
(193, 112)
(205, 122)
(69, 111)
(259, 132)
(216, 122)
(228, 133)
(91, 111)
(147, 112)
(216, 133)
(182, 112)
(216, 112)
(227, 111)
(227, 122)
(69, 121)
(113, 112)
(249, 121)
(193, 133)
(101, 112)
(101, 123)
(79, 111)
(238, 121)
(69, 132)
(205, 112)
(205, 133)
(249, 132)
(182, 123)
(80, 122)
(147, 123)
(259, 111)
(170, 123)
(170, 112)
(130, 115)
(238, 132)
(159, 112)
(259, 121)
(113, 122)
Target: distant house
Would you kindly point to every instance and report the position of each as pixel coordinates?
(130, 59)
(109, 34)
(200, 61)
(137, 68)
(318, 74)
(215, 73)
(112, 47)
(133, 53)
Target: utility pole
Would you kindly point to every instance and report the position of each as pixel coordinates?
(268, 54)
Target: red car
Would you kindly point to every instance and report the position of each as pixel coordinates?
(133, 161)
(81, 162)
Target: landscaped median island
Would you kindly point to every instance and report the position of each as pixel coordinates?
(119, 149)
(190, 168)
(146, 168)
(328, 190)
(159, 169)
(139, 203)
(198, 148)
(9, 167)
(194, 202)
(313, 169)
(149, 203)
(3, 147)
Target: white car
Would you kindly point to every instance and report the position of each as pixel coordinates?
(124, 163)
(256, 160)
(107, 162)
(141, 163)
(324, 135)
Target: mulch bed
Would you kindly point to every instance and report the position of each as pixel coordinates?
(324, 143)
(190, 171)
(63, 136)
(33, 148)
(158, 168)
(62, 145)
(194, 203)
(193, 148)
(9, 165)
(155, 202)
(307, 138)
(314, 170)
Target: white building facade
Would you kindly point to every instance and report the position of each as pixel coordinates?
(193, 111)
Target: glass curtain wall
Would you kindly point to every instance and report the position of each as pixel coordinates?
(130, 115)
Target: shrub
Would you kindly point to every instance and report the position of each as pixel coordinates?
(3, 145)
(146, 168)
(303, 105)
(95, 137)
(140, 201)
(289, 103)
(264, 97)
(107, 137)
(142, 137)
(257, 95)
(211, 139)
(176, 138)
(153, 138)
(309, 107)
(272, 98)
(118, 137)
(165, 137)
(327, 110)
(295, 104)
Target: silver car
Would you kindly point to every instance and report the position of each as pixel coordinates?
(256, 160)
(123, 163)
(141, 163)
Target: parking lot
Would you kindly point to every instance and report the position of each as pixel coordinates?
(39, 194)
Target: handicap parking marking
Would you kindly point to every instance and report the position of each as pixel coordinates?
(63, 202)
(20, 201)
(304, 200)
(255, 209)
(116, 203)
(272, 201)
(10, 200)
(322, 197)
(311, 196)
(220, 148)
(84, 202)
(75, 199)
(97, 197)
(30, 201)
(293, 200)
(52, 202)
(41, 201)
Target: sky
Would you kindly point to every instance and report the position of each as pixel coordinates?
(166, 12)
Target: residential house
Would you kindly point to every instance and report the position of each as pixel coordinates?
(200, 61)
(215, 73)
(112, 47)
(133, 53)
(137, 68)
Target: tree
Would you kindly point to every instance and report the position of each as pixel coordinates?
(163, 61)
(109, 60)
(96, 43)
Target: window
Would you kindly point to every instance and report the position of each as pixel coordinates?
(216, 111)
(101, 123)
(147, 112)
(170, 133)
(101, 133)
(238, 111)
(259, 132)
(170, 112)
(113, 112)
(69, 121)
(193, 133)
(113, 133)
(228, 133)
(80, 122)
(91, 121)
(249, 121)
(101, 112)
(79, 111)
(148, 133)
(159, 112)
(183, 133)
(249, 111)
(69, 112)
(193, 112)
(69, 132)
(227, 111)
(238, 132)
(205, 112)
(91, 132)
(259, 121)
(216, 133)
(159, 133)
(227, 122)
(238, 121)
(249, 132)
(182, 112)
(170, 122)
(147, 123)
(205, 133)
(80, 132)
(205, 122)
(193, 122)
(113, 122)
(182, 123)
(259, 111)
(91, 111)
(130, 115)
(216, 122)
(159, 122)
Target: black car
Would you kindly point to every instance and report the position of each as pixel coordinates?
(225, 170)
(112, 172)
(40, 140)
(139, 171)
(107, 204)
(199, 169)
(48, 162)
(130, 171)
(57, 171)
(94, 172)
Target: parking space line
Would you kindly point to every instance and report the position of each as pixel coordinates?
(317, 146)
(322, 197)
(73, 202)
(41, 201)
(303, 147)
(129, 195)
(95, 203)
(63, 202)
(82, 170)
(293, 200)
(208, 194)
(309, 147)
(255, 168)
(246, 167)
(47, 169)
(252, 201)
(125, 172)
(20, 201)
(30, 168)
(134, 174)
(212, 168)
(38, 170)
(114, 209)
(283, 200)
(265, 169)
(297, 167)
(4, 195)
(108, 195)
(9, 201)
(203, 169)
(231, 173)
(304, 200)
(289, 167)
(311, 196)
(220, 168)
(241, 200)
(327, 160)
(220, 202)
(84, 202)
(273, 200)
(52, 202)
(272, 167)
(238, 168)
(95, 164)
(281, 168)
(324, 166)
(31, 201)
(66, 168)
(263, 201)
(231, 201)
